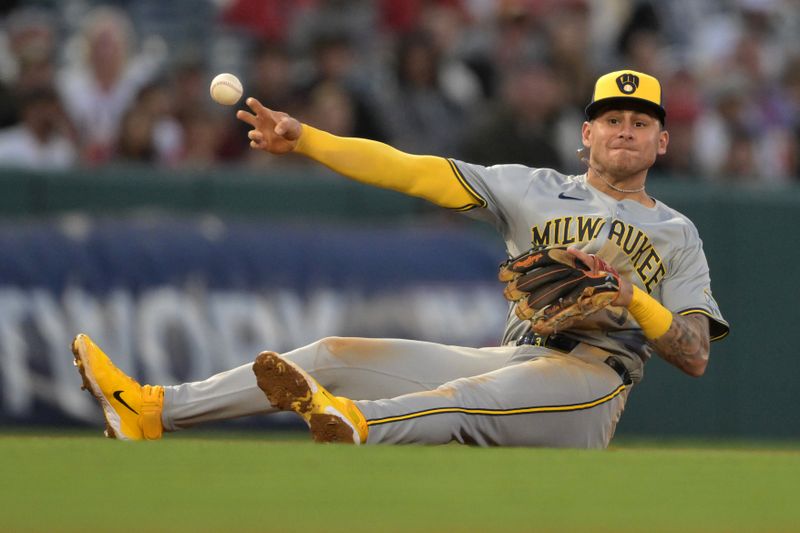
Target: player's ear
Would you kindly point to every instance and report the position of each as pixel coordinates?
(663, 141)
(586, 131)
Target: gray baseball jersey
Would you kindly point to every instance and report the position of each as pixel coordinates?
(658, 246)
(529, 395)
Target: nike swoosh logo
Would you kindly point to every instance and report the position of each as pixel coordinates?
(118, 397)
(565, 197)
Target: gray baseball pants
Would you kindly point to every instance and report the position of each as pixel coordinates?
(422, 392)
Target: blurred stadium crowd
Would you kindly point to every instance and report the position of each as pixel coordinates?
(85, 83)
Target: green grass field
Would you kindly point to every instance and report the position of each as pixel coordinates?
(257, 482)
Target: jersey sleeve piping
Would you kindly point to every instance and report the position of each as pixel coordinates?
(717, 328)
(463, 181)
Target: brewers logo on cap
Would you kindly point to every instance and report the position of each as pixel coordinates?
(628, 82)
(627, 87)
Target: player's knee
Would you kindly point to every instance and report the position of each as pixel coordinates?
(346, 347)
(334, 345)
(330, 344)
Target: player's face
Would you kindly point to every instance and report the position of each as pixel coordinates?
(624, 142)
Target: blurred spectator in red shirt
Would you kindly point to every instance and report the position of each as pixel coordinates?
(265, 20)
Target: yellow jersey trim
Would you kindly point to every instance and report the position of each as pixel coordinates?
(467, 187)
(501, 412)
(717, 329)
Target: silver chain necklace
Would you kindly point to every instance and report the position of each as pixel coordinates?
(619, 189)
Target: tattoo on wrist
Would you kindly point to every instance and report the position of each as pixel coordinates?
(685, 342)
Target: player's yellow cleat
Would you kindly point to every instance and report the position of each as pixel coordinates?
(289, 388)
(132, 411)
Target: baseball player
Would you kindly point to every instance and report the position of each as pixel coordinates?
(601, 277)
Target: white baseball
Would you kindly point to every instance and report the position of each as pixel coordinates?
(226, 89)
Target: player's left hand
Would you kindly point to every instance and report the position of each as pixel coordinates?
(555, 288)
(597, 264)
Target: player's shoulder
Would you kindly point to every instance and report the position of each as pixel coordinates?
(516, 171)
(676, 217)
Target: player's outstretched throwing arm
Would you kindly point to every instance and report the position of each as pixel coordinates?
(681, 340)
(433, 178)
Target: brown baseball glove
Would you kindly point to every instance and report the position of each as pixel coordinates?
(555, 290)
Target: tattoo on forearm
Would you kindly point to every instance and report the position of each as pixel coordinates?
(686, 342)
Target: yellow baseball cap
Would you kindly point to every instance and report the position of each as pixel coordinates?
(627, 87)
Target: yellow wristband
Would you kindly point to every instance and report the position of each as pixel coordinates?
(653, 318)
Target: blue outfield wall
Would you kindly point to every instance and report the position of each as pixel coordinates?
(177, 299)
